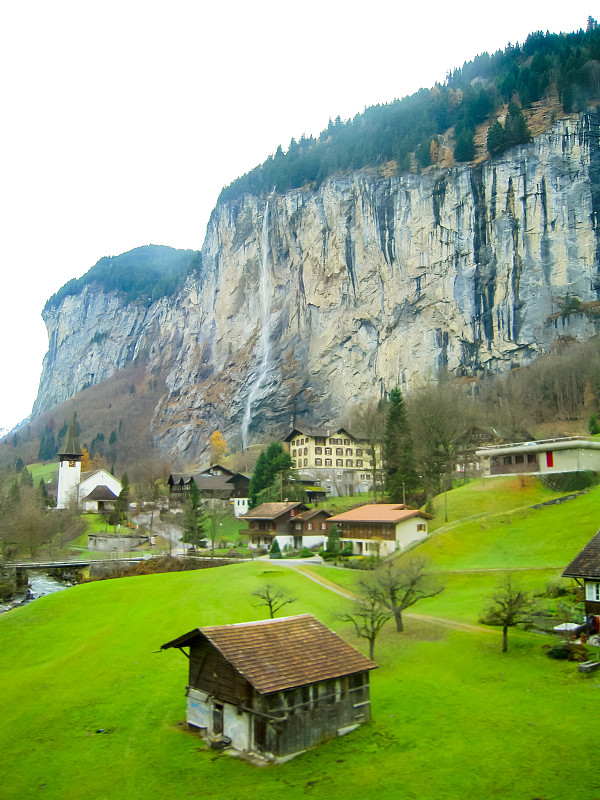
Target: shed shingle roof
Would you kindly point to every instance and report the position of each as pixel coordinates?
(587, 563)
(278, 654)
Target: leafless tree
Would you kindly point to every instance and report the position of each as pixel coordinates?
(512, 606)
(273, 598)
(368, 615)
(367, 421)
(402, 583)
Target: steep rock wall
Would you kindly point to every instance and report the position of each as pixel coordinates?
(372, 282)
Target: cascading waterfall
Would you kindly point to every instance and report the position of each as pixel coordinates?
(264, 341)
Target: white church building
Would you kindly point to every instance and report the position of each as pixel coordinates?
(94, 491)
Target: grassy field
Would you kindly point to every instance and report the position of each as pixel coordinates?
(91, 708)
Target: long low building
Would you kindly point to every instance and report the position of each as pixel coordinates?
(543, 457)
(380, 528)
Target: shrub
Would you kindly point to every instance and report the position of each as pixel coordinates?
(570, 481)
(275, 551)
(568, 651)
(306, 553)
(556, 587)
(593, 426)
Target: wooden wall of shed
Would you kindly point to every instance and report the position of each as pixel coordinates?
(211, 673)
(315, 713)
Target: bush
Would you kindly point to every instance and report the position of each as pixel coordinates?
(556, 587)
(568, 651)
(593, 426)
(306, 553)
(275, 551)
(370, 562)
(570, 481)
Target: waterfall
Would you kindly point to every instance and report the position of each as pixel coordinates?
(264, 337)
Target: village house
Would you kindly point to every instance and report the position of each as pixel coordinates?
(284, 522)
(585, 570)
(334, 459)
(543, 457)
(274, 688)
(380, 528)
(98, 490)
(217, 485)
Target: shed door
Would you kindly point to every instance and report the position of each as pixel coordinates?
(549, 459)
(260, 733)
(217, 718)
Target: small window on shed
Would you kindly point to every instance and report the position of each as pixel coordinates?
(519, 459)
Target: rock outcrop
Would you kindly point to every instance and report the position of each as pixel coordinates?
(371, 282)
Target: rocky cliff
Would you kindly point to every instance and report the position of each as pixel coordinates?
(310, 301)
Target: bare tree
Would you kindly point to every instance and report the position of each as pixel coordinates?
(273, 598)
(512, 606)
(367, 421)
(401, 584)
(368, 615)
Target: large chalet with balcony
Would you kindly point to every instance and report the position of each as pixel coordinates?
(335, 460)
(380, 528)
(293, 525)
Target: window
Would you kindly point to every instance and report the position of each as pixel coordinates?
(519, 459)
(592, 590)
(348, 462)
(346, 441)
(309, 526)
(293, 454)
(318, 450)
(323, 526)
(421, 526)
(306, 462)
(359, 451)
(339, 462)
(339, 451)
(327, 462)
(348, 451)
(531, 458)
(328, 451)
(359, 461)
(298, 526)
(507, 460)
(293, 464)
(318, 462)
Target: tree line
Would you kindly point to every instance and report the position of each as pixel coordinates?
(470, 95)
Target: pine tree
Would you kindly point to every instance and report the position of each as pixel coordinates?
(194, 518)
(401, 475)
(275, 551)
(271, 462)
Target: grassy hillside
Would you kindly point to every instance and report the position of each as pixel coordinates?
(91, 708)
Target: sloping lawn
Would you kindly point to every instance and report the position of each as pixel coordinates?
(91, 708)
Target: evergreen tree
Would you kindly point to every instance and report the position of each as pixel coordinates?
(401, 475)
(271, 463)
(122, 504)
(333, 540)
(194, 518)
(26, 477)
(275, 551)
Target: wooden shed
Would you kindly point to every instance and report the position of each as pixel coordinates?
(276, 687)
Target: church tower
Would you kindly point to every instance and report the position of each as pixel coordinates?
(69, 470)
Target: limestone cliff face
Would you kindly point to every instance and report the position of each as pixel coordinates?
(331, 296)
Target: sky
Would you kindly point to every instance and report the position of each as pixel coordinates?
(122, 121)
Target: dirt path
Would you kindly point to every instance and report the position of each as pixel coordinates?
(447, 623)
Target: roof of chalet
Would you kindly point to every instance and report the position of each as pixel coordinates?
(312, 513)
(540, 446)
(213, 483)
(587, 563)
(278, 654)
(70, 445)
(321, 433)
(180, 477)
(271, 510)
(380, 512)
(209, 470)
(101, 492)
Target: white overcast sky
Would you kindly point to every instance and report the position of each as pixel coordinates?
(122, 121)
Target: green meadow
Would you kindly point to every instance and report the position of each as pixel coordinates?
(91, 708)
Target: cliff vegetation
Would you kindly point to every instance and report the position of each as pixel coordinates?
(145, 273)
(409, 131)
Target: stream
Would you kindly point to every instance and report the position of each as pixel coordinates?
(40, 584)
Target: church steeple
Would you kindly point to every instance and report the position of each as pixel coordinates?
(69, 469)
(71, 449)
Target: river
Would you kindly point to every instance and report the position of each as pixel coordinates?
(40, 584)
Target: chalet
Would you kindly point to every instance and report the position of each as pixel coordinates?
(274, 520)
(585, 570)
(309, 528)
(336, 460)
(217, 485)
(380, 529)
(543, 457)
(276, 687)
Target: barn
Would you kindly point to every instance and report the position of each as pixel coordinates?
(274, 688)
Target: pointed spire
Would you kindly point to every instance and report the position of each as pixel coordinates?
(71, 446)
